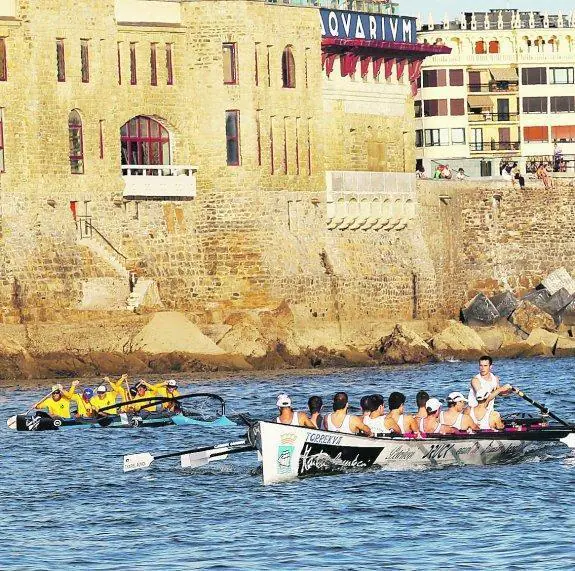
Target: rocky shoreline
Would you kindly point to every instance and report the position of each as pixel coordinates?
(170, 343)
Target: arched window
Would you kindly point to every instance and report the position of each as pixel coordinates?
(493, 47)
(76, 142)
(480, 47)
(144, 142)
(288, 68)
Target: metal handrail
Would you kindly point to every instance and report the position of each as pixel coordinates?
(496, 117)
(496, 146)
(495, 86)
(87, 221)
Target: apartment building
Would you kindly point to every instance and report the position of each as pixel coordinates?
(504, 93)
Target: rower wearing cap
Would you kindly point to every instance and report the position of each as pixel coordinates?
(167, 389)
(432, 423)
(144, 390)
(455, 415)
(484, 418)
(377, 420)
(340, 421)
(57, 403)
(84, 407)
(102, 399)
(405, 422)
(288, 415)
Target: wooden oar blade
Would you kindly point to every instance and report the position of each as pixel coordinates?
(569, 440)
(137, 461)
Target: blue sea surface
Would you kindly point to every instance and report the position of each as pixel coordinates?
(65, 502)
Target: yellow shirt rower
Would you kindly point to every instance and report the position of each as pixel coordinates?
(143, 390)
(57, 403)
(103, 398)
(85, 409)
(167, 389)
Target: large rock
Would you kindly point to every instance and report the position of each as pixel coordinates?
(402, 346)
(460, 340)
(565, 347)
(492, 337)
(480, 311)
(505, 303)
(170, 331)
(568, 314)
(553, 304)
(542, 337)
(528, 317)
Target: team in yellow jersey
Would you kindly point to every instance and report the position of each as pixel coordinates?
(89, 404)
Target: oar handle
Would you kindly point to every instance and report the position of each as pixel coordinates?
(203, 449)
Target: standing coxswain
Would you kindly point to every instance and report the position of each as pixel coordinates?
(485, 380)
(288, 415)
(340, 421)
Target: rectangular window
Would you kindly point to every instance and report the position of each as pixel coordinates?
(101, 138)
(561, 75)
(475, 81)
(435, 108)
(436, 137)
(534, 76)
(256, 64)
(419, 138)
(60, 60)
(233, 137)
(2, 165)
(563, 134)
(456, 77)
(535, 105)
(458, 136)
(230, 64)
(169, 65)
(457, 106)
(119, 52)
(153, 64)
(3, 61)
(418, 108)
(563, 104)
(536, 134)
(259, 135)
(133, 68)
(85, 60)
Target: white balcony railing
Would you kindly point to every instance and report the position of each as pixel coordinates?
(159, 181)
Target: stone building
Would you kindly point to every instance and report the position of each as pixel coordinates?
(226, 155)
(504, 93)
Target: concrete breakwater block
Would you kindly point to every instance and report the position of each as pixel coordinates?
(505, 303)
(480, 311)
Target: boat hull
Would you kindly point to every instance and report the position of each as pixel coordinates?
(290, 452)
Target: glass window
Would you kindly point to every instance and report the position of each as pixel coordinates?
(133, 68)
(561, 75)
(85, 60)
(563, 133)
(456, 77)
(76, 142)
(457, 106)
(153, 64)
(233, 137)
(418, 108)
(535, 105)
(230, 64)
(3, 61)
(429, 78)
(458, 136)
(534, 76)
(436, 137)
(60, 60)
(169, 65)
(435, 108)
(563, 104)
(288, 68)
(144, 141)
(419, 138)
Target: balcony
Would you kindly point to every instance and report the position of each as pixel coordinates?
(159, 182)
(494, 87)
(493, 117)
(494, 146)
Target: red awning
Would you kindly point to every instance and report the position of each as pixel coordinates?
(401, 49)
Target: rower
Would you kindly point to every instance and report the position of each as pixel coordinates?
(84, 408)
(144, 390)
(405, 422)
(377, 420)
(431, 424)
(102, 399)
(484, 418)
(57, 403)
(120, 387)
(340, 421)
(315, 404)
(455, 415)
(364, 405)
(168, 389)
(421, 399)
(486, 381)
(289, 416)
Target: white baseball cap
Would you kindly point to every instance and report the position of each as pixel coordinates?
(482, 394)
(101, 389)
(283, 401)
(433, 405)
(172, 383)
(456, 397)
(56, 388)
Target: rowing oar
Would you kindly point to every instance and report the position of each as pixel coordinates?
(143, 460)
(543, 408)
(11, 422)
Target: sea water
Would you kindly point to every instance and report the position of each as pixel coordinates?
(65, 502)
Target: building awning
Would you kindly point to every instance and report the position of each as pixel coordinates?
(483, 101)
(504, 74)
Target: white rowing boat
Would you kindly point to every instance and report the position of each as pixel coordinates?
(292, 452)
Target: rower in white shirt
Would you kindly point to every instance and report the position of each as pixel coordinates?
(340, 421)
(377, 420)
(289, 416)
(486, 381)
